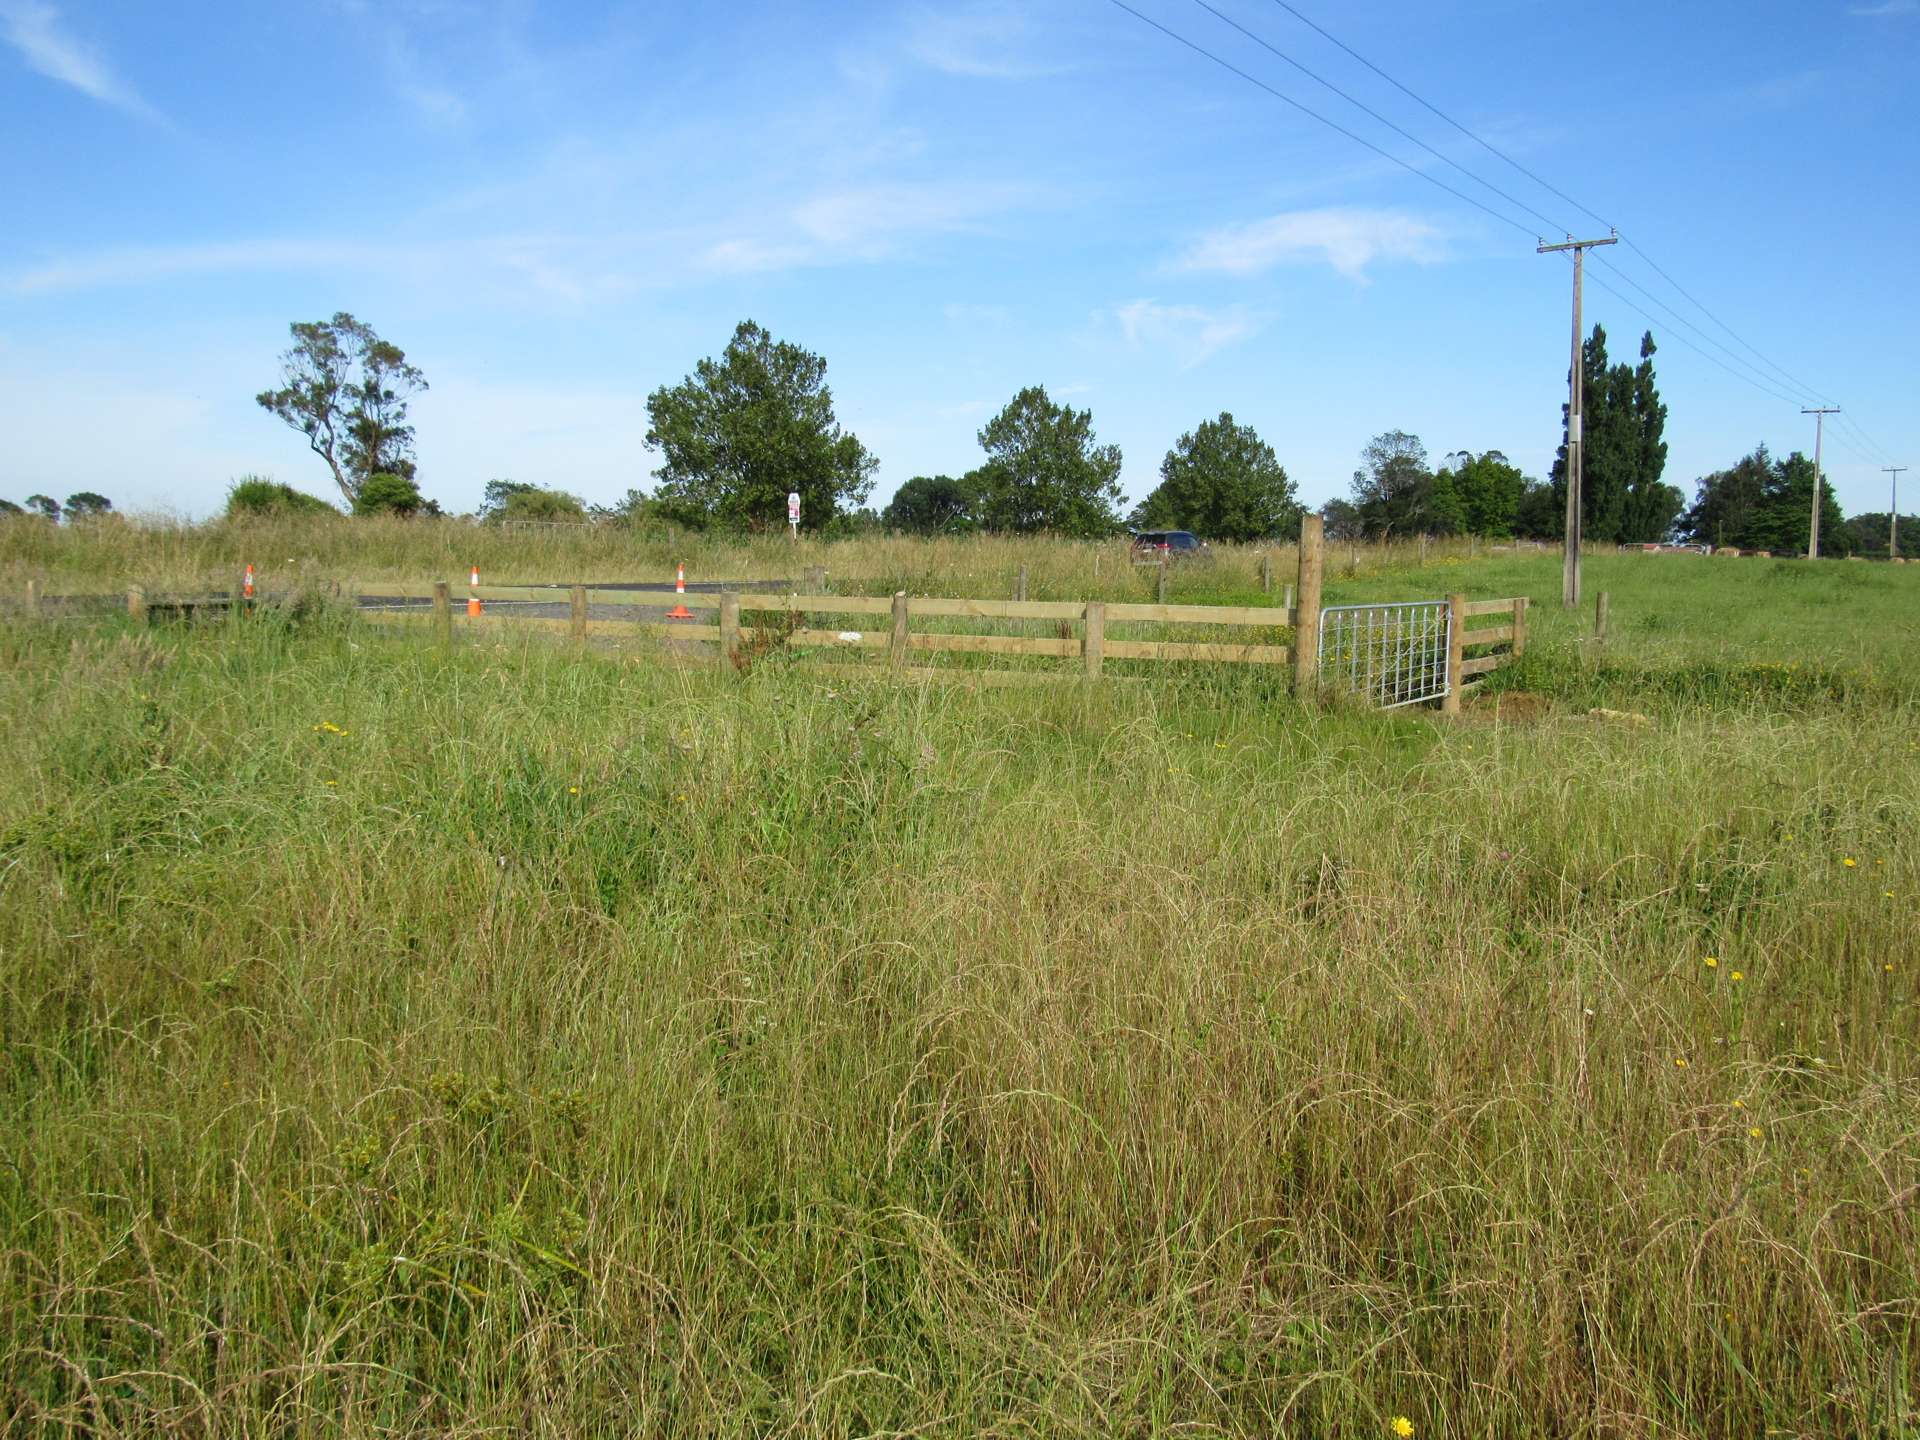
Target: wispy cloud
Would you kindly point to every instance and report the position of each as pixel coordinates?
(867, 222)
(1186, 332)
(989, 41)
(34, 29)
(1886, 7)
(1346, 238)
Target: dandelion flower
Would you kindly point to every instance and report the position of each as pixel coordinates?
(1737, 975)
(1888, 967)
(1403, 1427)
(333, 782)
(1739, 1104)
(1849, 862)
(1679, 1062)
(1754, 1131)
(573, 789)
(1712, 963)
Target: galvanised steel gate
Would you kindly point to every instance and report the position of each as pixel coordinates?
(1387, 655)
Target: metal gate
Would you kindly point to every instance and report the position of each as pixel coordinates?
(1387, 655)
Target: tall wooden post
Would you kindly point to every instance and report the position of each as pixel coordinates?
(1519, 626)
(817, 579)
(137, 604)
(33, 599)
(1020, 586)
(730, 627)
(1160, 591)
(1456, 652)
(1093, 640)
(1306, 610)
(897, 645)
(1266, 571)
(443, 613)
(1600, 606)
(578, 614)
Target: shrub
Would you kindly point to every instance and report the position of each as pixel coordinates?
(385, 494)
(257, 495)
(537, 504)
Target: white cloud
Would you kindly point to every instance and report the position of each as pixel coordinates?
(143, 264)
(1187, 332)
(33, 28)
(860, 223)
(1886, 7)
(983, 41)
(1348, 239)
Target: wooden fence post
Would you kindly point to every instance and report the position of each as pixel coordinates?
(817, 579)
(1020, 586)
(1266, 571)
(1519, 626)
(1306, 617)
(1093, 640)
(1286, 602)
(1160, 593)
(137, 604)
(1600, 618)
(1456, 652)
(730, 627)
(1096, 566)
(897, 645)
(578, 614)
(33, 599)
(443, 613)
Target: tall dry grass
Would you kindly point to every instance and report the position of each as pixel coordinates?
(511, 1041)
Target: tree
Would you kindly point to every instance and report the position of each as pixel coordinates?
(347, 391)
(1044, 472)
(1760, 503)
(1341, 521)
(1489, 488)
(45, 506)
(1392, 491)
(1869, 532)
(257, 495)
(1624, 455)
(385, 494)
(1541, 513)
(933, 505)
(742, 432)
(7, 507)
(1222, 482)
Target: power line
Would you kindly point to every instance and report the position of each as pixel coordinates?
(1420, 100)
(1492, 149)
(1360, 105)
(1308, 110)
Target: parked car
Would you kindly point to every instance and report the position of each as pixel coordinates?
(1158, 547)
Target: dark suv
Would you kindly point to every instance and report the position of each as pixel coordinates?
(1156, 547)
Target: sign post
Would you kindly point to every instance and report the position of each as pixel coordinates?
(793, 513)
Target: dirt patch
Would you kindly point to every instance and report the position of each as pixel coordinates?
(1507, 707)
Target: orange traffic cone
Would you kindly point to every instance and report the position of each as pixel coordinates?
(473, 599)
(246, 585)
(680, 611)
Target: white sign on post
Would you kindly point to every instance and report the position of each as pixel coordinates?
(793, 512)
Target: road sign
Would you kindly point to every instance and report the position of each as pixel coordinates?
(793, 507)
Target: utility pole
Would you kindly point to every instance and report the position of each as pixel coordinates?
(1819, 426)
(1893, 511)
(1570, 570)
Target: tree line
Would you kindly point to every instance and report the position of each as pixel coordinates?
(750, 426)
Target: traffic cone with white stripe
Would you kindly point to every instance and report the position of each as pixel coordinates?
(473, 594)
(680, 611)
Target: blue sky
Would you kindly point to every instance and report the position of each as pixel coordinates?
(557, 207)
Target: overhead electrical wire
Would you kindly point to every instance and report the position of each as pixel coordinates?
(1762, 380)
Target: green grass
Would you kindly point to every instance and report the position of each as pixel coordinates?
(398, 1042)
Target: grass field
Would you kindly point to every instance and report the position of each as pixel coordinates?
(508, 1041)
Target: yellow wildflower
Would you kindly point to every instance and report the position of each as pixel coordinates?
(573, 789)
(1712, 963)
(1739, 1104)
(1754, 1131)
(1403, 1427)
(1738, 975)
(1679, 1062)
(1849, 862)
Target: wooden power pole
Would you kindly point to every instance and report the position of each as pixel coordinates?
(1570, 570)
(1893, 512)
(1819, 427)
